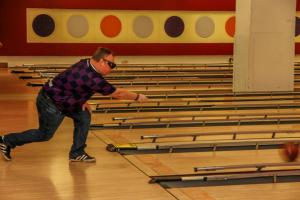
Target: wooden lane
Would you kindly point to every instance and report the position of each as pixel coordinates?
(221, 121)
(255, 167)
(135, 66)
(148, 84)
(133, 136)
(209, 85)
(142, 66)
(210, 95)
(183, 163)
(168, 72)
(147, 162)
(200, 116)
(164, 164)
(184, 102)
(202, 146)
(133, 71)
(101, 117)
(126, 136)
(197, 107)
(273, 134)
(191, 98)
(286, 191)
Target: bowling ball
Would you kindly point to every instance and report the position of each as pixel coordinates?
(290, 151)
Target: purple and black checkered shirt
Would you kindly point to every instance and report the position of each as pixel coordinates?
(70, 89)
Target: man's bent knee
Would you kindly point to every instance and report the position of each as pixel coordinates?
(45, 135)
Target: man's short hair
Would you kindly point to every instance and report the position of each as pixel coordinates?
(100, 53)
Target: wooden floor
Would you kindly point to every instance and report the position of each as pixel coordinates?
(42, 170)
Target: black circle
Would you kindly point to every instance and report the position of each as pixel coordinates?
(43, 25)
(174, 26)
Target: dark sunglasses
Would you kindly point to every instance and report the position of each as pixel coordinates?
(110, 64)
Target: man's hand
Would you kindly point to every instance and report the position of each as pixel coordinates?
(87, 107)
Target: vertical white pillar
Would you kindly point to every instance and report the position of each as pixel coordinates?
(264, 45)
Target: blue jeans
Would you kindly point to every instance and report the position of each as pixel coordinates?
(49, 120)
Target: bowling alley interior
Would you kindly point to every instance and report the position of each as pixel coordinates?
(150, 100)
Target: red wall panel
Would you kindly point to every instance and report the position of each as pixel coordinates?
(208, 5)
(13, 27)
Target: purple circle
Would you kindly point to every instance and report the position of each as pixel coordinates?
(43, 25)
(174, 26)
(297, 29)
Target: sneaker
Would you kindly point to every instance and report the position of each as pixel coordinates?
(82, 158)
(5, 150)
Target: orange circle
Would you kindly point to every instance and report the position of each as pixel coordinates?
(230, 26)
(110, 26)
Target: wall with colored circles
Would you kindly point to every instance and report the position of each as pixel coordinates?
(110, 26)
(156, 27)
